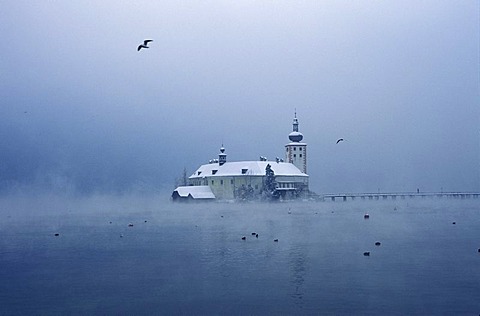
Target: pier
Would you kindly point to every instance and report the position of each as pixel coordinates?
(397, 195)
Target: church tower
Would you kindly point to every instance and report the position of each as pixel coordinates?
(296, 151)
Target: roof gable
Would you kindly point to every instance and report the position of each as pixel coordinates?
(197, 192)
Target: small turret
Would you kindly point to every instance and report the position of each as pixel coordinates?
(222, 157)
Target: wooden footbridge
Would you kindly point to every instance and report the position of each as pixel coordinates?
(397, 195)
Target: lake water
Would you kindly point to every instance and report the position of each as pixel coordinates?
(191, 259)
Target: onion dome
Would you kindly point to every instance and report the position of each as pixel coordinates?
(295, 137)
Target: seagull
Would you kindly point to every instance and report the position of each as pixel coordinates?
(339, 140)
(144, 45)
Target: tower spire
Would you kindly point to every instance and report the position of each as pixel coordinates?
(295, 122)
(295, 136)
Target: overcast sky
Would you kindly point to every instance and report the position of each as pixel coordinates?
(82, 109)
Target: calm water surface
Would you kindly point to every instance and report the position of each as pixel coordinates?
(190, 259)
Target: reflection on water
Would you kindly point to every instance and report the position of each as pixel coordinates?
(297, 275)
(191, 259)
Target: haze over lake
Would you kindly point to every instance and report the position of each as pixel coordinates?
(191, 259)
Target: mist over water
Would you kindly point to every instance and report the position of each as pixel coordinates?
(191, 259)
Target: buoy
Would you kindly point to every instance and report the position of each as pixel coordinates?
(130, 225)
(377, 243)
(366, 253)
(275, 240)
(453, 223)
(253, 234)
(57, 234)
(366, 216)
(145, 221)
(244, 238)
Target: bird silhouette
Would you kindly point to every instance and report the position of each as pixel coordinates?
(339, 140)
(144, 45)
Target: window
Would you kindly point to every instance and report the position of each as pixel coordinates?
(213, 182)
(294, 155)
(294, 148)
(199, 173)
(244, 171)
(231, 181)
(221, 182)
(300, 155)
(214, 171)
(300, 148)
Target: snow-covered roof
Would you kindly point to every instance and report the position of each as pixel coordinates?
(296, 143)
(252, 168)
(197, 192)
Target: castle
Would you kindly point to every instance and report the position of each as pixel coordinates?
(245, 180)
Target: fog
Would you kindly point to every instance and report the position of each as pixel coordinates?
(91, 254)
(83, 111)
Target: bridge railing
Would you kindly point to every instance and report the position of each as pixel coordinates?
(395, 195)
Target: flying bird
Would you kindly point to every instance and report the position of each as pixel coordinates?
(339, 140)
(144, 45)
